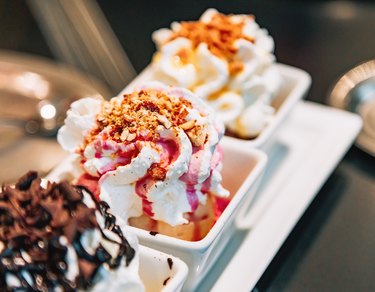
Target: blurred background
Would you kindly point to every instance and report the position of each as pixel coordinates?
(325, 38)
(332, 247)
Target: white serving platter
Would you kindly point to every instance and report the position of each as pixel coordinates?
(302, 155)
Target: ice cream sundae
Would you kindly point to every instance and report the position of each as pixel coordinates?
(226, 60)
(56, 237)
(153, 156)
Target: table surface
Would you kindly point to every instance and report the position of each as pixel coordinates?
(332, 247)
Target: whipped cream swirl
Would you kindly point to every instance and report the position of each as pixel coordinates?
(226, 60)
(153, 151)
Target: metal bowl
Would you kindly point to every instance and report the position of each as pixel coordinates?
(355, 92)
(35, 94)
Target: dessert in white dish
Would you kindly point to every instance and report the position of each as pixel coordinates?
(226, 60)
(56, 237)
(242, 167)
(151, 154)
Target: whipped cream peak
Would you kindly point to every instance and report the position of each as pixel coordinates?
(81, 118)
(217, 31)
(217, 57)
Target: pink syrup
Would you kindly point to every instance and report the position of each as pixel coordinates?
(169, 153)
(90, 183)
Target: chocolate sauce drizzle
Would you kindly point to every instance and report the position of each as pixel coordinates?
(39, 227)
(110, 223)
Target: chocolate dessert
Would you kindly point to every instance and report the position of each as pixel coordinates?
(57, 237)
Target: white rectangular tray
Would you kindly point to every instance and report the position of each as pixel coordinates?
(306, 149)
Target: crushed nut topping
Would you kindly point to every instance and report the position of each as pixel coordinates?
(157, 172)
(188, 125)
(140, 115)
(219, 35)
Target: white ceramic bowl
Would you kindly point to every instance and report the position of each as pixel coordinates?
(295, 84)
(242, 169)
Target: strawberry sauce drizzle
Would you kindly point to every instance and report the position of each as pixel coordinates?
(91, 183)
(142, 187)
(219, 206)
(190, 178)
(120, 154)
(170, 152)
(192, 197)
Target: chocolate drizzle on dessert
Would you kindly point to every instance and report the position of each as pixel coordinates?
(170, 263)
(110, 223)
(42, 237)
(166, 281)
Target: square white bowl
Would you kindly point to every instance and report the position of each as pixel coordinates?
(242, 169)
(295, 84)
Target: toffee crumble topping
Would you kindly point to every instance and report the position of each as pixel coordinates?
(219, 34)
(138, 115)
(39, 227)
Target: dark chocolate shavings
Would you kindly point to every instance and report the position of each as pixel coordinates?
(25, 181)
(38, 226)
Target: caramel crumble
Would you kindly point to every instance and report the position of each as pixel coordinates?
(139, 115)
(219, 35)
(157, 172)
